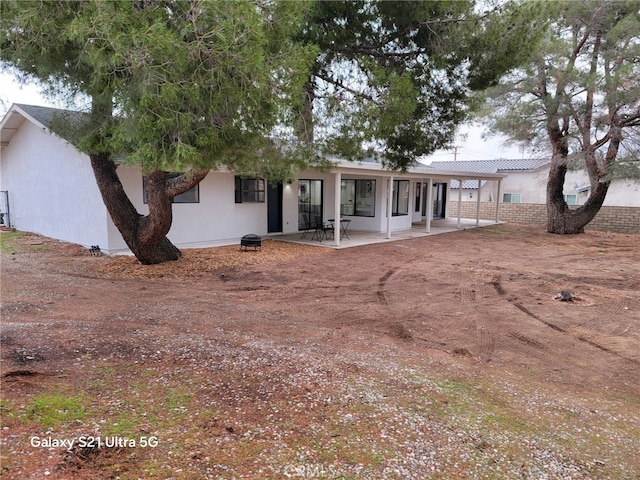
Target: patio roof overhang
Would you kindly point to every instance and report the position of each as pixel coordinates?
(371, 168)
(431, 175)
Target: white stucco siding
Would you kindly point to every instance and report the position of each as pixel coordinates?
(215, 218)
(217, 215)
(531, 185)
(621, 193)
(52, 190)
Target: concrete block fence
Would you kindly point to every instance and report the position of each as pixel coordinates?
(611, 219)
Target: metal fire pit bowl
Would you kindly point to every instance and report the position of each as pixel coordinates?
(251, 241)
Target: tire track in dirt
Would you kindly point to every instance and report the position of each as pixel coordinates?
(398, 330)
(484, 335)
(457, 323)
(395, 329)
(471, 317)
(534, 348)
(497, 285)
(382, 298)
(527, 340)
(604, 323)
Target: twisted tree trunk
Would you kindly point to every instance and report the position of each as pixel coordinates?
(560, 218)
(144, 235)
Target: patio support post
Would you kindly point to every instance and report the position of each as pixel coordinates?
(389, 205)
(459, 201)
(429, 211)
(336, 209)
(498, 202)
(478, 206)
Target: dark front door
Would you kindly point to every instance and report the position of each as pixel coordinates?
(274, 207)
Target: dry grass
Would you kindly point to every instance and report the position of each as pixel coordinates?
(204, 261)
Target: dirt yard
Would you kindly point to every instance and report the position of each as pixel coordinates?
(446, 357)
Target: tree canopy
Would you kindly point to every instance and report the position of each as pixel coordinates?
(578, 96)
(171, 85)
(393, 79)
(193, 85)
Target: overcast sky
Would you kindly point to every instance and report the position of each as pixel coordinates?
(471, 145)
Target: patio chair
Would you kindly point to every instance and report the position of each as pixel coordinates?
(308, 225)
(322, 230)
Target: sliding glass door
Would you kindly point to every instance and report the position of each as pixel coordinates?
(309, 202)
(439, 200)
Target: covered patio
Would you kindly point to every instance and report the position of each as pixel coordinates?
(377, 205)
(359, 238)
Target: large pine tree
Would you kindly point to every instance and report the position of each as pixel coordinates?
(173, 86)
(578, 95)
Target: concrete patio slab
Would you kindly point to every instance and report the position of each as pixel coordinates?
(359, 238)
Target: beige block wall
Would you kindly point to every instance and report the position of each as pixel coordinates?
(613, 219)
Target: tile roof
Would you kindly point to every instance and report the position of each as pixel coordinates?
(487, 166)
(491, 166)
(467, 184)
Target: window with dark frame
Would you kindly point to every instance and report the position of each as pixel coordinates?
(190, 196)
(418, 193)
(400, 202)
(249, 190)
(357, 198)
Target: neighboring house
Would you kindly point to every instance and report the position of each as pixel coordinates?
(47, 187)
(522, 195)
(526, 182)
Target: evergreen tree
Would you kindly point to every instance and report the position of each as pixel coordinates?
(393, 79)
(173, 86)
(579, 96)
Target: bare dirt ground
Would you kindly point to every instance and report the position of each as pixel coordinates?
(445, 357)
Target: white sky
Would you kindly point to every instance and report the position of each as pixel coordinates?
(12, 92)
(471, 145)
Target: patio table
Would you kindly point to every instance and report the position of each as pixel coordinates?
(344, 225)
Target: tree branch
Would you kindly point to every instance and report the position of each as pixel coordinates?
(182, 183)
(341, 85)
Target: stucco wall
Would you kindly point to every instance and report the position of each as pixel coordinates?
(52, 190)
(532, 186)
(609, 218)
(216, 218)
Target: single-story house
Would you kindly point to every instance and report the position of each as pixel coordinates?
(526, 182)
(47, 187)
